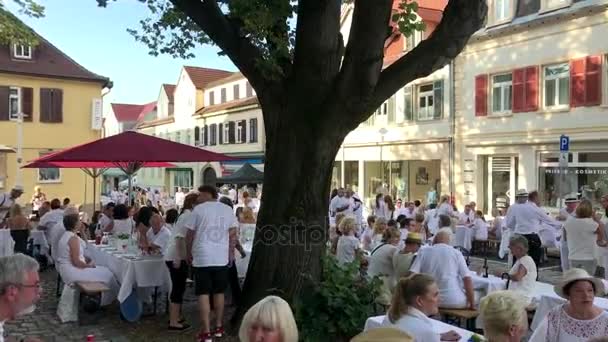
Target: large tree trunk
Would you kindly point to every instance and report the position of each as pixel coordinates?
(292, 226)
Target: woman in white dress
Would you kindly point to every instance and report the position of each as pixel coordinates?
(415, 299)
(445, 207)
(73, 266)
(583, 234)
(246, 227)
(379, 207)
(381, 263)
(579, 320)
(504, 316)
(380, 226)
(123, 223)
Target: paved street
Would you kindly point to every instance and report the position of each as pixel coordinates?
(110, 327)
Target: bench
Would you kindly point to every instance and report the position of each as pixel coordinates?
(460, 315)
(91, 290)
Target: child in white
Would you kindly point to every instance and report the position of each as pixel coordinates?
(348, 244)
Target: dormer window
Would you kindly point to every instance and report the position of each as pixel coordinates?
(22, 51)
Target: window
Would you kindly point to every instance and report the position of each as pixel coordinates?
(14, 104)
(501, 10)
(426, 102)
(253, 130)
(548, 5)
(226, 133)
(248, 90)
(383, 109)
(213, 134)
(188, 137)
(236, 92)
(413, 40)
(408, 110)
(197, 136)
(502, 92)
(557, 86)
(205, 135)
(48, 175)
(22, 51)
(211, 98)
(240, 128)
(223, 95)
(178, 137)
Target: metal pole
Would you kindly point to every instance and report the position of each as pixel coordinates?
(84, 203)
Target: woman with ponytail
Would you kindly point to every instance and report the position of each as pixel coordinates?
(414, 300)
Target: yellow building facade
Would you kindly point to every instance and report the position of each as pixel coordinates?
(61, 104)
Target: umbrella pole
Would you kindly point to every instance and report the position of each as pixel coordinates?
(129, 191)
(94, 193)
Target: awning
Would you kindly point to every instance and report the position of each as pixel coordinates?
(4, 148)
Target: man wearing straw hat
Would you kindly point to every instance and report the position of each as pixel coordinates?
(525, 218)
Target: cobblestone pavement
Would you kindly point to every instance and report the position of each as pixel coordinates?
(45, 324)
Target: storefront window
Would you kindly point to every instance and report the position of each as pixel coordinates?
(351, 175)
(586, 177)
(336, 175)
(587, 182)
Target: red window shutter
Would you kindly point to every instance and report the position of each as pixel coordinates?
(531, 102)
(481, 95)
(27, 103)
(519, 91)
(577, 82)
(593, 81)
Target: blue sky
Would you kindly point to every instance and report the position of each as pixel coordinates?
(97, 39)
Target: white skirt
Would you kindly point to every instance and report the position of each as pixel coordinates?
(71, 274)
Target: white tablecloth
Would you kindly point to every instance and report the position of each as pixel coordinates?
(440, 327)
(151, 271)
(464, 237)
(242, 264)
(548, 301)
(7, 244)
(38, 238)
(489, 284)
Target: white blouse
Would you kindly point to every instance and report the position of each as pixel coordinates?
(558, 326)
(417, 325)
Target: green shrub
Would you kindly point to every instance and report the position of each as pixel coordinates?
(336, 307)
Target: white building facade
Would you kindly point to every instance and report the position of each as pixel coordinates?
(404, 149)
(536, 72)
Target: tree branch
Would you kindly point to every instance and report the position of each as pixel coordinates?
(461, 19)
(208, 15)
(318, 49)
(363, 58)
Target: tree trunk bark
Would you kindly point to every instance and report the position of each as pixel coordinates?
(292, 226)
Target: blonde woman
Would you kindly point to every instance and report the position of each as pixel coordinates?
(270, 320)
(20, 228)
(583, 233)
(415, 299)
(348, 249)
(380, 227)
(504, 316)
(247, 226)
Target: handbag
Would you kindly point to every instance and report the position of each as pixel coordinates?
(67, 310)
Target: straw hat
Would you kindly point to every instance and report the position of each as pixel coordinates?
(521, 193)
(384, 335)
(414, 237)
(571, 199)
(575, 274)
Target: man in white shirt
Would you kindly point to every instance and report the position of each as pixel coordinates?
(525, 218)
(464, 218)
(106, 219)
(19, 288)
(115, 196)
(7, 200)
(51, 218)
(339, 204)
(447, 265)
(158, 235)
(232, 193)
(179, 199)
(210, 227)
(410, 211)
(570, 209)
